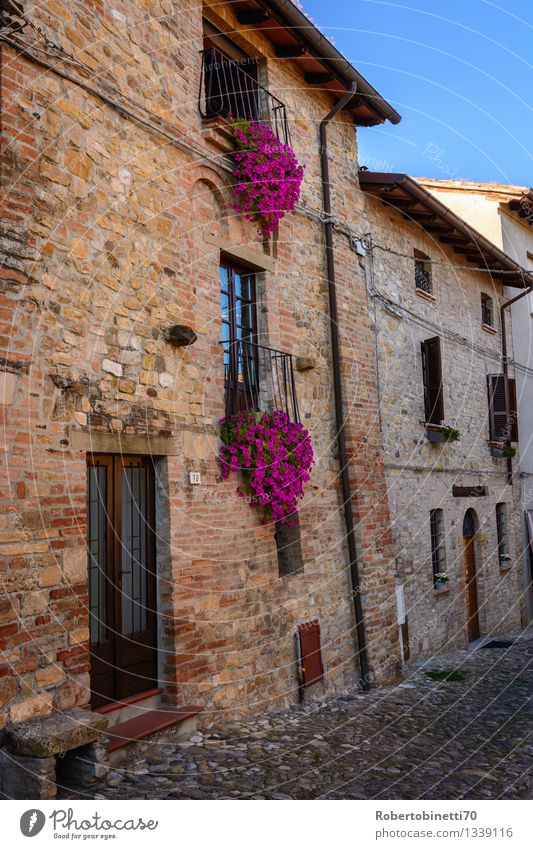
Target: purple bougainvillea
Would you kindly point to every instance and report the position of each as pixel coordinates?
(275, 457)
(267, 177)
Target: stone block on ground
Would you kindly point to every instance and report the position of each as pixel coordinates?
(24, 777)
(46, 736)
(82, 767)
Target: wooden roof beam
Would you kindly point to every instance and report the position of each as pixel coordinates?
(252, 16)
(453, 240)
(318, 78)
(289, 51)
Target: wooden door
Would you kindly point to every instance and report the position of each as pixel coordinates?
(122, 581)
(472, 611)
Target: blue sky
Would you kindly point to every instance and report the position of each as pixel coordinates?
(461, 75)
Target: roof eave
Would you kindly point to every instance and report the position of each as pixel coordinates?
(489, 252)
(329, 55)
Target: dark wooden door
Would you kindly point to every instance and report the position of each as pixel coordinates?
(122, 581)
(472, 611)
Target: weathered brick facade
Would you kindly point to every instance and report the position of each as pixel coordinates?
(420, 475)
(118, 206)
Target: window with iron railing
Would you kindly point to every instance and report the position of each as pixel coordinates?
(438, 551)
(423, 281)
(487, 312)
(229, 89)
(501, 530)
(256, 377)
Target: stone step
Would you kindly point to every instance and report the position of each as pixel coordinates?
(130, 707)
(123, 735)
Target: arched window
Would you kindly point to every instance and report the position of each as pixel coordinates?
(469, 523)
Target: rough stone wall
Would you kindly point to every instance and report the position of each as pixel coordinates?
(114, 232)
(421, 475)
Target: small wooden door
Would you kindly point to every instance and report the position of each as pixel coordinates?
(471, 590)
(122, 581)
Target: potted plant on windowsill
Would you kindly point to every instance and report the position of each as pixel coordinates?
(441, 580)
(451, 434)
(274, 457)
(496, 449)
(266, 175)
(509, 451)
(434, 432)
(505, 560)
(441, 433)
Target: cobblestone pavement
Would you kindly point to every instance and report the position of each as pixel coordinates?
(422, 739)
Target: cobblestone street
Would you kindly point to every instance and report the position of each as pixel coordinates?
(423, 739)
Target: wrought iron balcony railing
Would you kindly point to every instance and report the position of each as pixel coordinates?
(258, 378)
(228, 90)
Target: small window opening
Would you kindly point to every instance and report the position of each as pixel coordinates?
(487, 311)
(501, 529)
(289, 546)
(438, 551)
(423, 278)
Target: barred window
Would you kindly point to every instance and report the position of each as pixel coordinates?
(423, 280)
(438, 551)
(501, 529)
(487, 311)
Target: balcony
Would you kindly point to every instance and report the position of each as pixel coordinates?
(228, 90)
(258, 378)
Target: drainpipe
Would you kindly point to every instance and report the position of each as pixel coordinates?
(505, 363)
(337, 386)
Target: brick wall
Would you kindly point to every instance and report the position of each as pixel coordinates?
(114, 232)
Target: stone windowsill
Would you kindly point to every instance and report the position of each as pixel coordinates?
(488, 329)
(425, 295)
(217, 131)
(442, 590)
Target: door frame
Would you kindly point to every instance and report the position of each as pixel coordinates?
(110, 659)
(473, 625)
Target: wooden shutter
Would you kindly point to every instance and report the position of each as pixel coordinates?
(432, 376)
(513, 411)
(312, 667)
(497, 408)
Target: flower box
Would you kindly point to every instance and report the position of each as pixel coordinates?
(274, 456)
(266, 175)
(435, 436)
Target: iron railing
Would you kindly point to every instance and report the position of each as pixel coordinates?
(227, 90)
(422, 277)
(258, 378)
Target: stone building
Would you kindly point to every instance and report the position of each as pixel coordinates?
(120, 226)
(504, 214)
(446, 421)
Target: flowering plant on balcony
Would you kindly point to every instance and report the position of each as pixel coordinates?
(267, 177)
(275, 456)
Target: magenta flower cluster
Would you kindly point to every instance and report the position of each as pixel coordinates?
(275, 456)
(267, 177)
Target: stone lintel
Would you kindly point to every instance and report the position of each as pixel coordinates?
(116, 443)
(255, 258)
